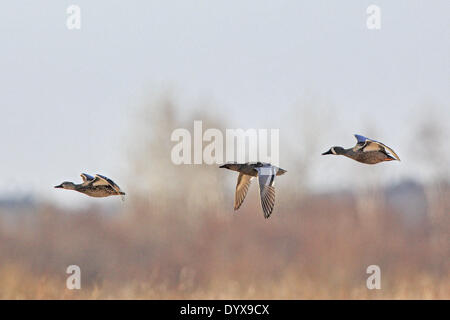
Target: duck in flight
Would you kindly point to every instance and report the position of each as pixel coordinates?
(266, 174)
(366, 151)
(98, 186)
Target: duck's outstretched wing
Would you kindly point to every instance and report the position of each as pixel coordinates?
(86, 177)
(100, 180)
(266, 177)
(378, 146)
(366, 145)
(242, 186)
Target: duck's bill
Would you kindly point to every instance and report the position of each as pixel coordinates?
(59, 186)
(327, 152)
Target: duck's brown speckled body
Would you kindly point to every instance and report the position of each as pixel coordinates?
(366, 151)
(98, 186)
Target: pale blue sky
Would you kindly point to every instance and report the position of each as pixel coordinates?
(67, 98)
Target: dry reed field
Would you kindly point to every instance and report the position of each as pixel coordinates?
(143, 253)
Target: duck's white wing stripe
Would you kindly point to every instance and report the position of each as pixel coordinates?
(266, 177)
(390, 150)
(372, 145)
(242, 186)
(367, 144)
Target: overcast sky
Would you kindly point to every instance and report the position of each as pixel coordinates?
(67, 98)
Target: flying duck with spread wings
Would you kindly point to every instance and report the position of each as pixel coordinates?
(98, 186)
(266, 174)
(366, 150)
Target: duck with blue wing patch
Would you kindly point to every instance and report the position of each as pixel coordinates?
(86, 177)
(98, 186)
(366, 150)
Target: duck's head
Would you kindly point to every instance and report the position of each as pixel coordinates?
(335, 151)
(230, 166)
(66, 185)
